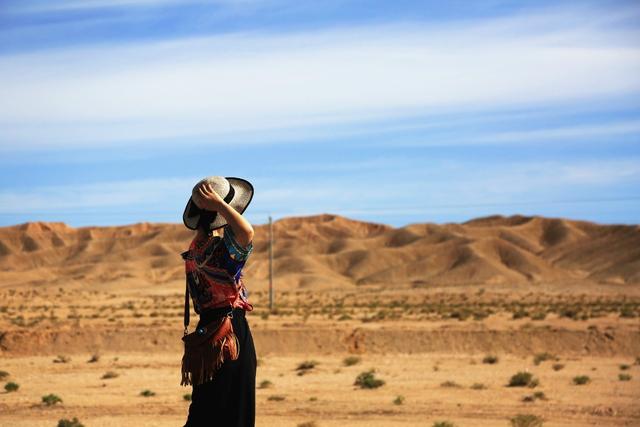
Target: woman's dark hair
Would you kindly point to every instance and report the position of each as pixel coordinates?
(206, 218)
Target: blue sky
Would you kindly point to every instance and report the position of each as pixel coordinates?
(393, 112)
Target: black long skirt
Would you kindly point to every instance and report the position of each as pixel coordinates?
(229, 400)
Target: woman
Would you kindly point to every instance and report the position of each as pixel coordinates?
(214, 280)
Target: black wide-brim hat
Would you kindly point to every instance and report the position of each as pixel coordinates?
(237, 192)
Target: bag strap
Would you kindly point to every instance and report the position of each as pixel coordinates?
(186, 308)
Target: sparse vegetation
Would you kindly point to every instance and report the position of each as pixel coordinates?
(187, 397)
(368, 380)
(627, 311)
(519, 314)
(109, 375)
(147, 393)
(399, 400)
(308, 424)
(541, 357)
(94, 358)
(443, 424)
(307, 365)
(11, 386)
(449, 383)
(624, 367)
(581, 380)
(538, 395)
(70, 423)
(526, 420)
(62, 359)
(4, 375)
(265, 384)
(624, 377)
(540, 315)
(276, 398)
(490, 359)
(557, 366)
(523, 379)
(478, 386)
(51, 399)
(351, 360)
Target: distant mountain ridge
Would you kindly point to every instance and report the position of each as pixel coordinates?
(331, 250)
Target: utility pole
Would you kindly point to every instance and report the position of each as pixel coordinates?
(270, 265)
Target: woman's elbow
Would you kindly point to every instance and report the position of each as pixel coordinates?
(245, 238)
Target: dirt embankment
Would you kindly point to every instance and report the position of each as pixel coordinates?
(301, 340)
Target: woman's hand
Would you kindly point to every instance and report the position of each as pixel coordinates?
(209, 199)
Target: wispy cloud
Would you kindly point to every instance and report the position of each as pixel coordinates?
(250, 82)
(131, 195)
(340, 191)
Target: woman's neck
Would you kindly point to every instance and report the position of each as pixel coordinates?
(203, 234)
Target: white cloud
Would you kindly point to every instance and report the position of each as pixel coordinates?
(130, 195)
(215, 86)
(581, 132)
(445, 187)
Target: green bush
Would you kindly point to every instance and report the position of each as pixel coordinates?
(624, 377)
(540, 395)
(368, 380)
(351, 360)
(519, 314)
(187, 397)
(109, 375)
(11, 386)
(450, 383)
(581, 380)
(490, 359)
(523, 379)
(306, 365)
(541, 357)
(62, 359)
(147, 393)
(265, 384)
(540, 315)
(443, 424)
(399, 400)
(51, 399)
(526, 420)
(69, 423)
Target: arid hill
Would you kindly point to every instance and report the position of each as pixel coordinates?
(333, 251)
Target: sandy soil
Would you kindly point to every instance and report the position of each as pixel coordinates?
(326, 394)
(414, 351)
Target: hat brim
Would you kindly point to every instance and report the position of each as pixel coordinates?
(243, 195)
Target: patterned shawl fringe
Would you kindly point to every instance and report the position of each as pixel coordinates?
(201, 362)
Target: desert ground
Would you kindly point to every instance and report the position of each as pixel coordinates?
(475, 324)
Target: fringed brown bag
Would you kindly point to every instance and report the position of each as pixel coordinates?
(206, 349)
